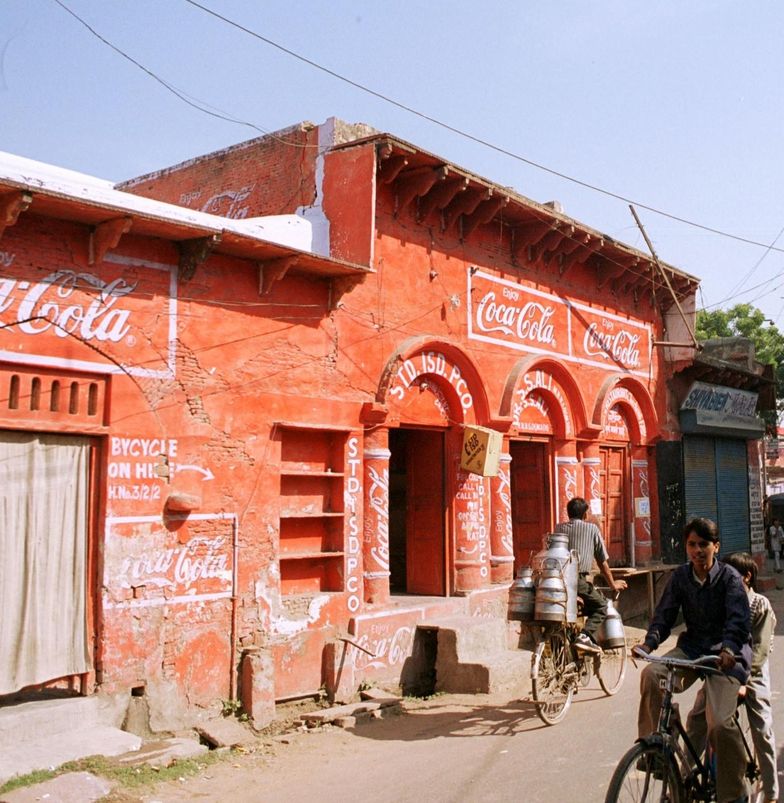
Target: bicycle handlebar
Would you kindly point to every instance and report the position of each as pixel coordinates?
(705, 663)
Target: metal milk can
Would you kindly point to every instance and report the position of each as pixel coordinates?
(610, 633)
(558, 547)
(551, 599)
(522, 595)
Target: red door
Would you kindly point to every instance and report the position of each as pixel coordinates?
(425, 555)
(530, 499)
(613, 477)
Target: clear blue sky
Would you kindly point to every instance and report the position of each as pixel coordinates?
(677, 105)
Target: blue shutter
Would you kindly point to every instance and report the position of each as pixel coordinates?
(699, 471)
(732, 487)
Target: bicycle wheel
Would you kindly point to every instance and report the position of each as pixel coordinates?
(643, 775)
(552, 682)
(753, 775)
(611, 669)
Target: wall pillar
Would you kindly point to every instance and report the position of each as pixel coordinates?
(591, 464)
(641, 551)
(568, 478)
(501, 538)
(375, 531)
(472, 529)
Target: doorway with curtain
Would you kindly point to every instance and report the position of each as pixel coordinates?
(44, 515)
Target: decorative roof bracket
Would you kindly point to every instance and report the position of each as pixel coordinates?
(193, 253)
(12, 204)
(272, 271)
(105, 236)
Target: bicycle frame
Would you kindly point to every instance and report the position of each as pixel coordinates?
(693, 775)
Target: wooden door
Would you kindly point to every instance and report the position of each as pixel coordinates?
(530, 480)
(425, 549)
(614, 506)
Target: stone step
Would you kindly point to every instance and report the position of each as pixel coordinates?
(470, 638)
(44, 718)
(50, 751)
(502, 671)
(72, 787)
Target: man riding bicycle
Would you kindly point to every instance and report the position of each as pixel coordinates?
(715, 610)
(586, 539)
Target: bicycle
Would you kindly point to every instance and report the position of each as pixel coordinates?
(665, 767)
(559, 670)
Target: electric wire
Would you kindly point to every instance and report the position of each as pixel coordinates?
(404, 107)
(472, 137)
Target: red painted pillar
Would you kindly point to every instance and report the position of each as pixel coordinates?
(501, 539)
(472, 530)
(568, 478)
(643, 540)
(375, 542)
(591, 464)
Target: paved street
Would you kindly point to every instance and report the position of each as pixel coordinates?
(454, 748)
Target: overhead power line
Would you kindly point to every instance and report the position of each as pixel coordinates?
(213, 112)
(473, 138)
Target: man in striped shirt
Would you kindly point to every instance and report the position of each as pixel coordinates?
(586, 539)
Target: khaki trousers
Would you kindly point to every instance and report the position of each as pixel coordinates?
(721, 700)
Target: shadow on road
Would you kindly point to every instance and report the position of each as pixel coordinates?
(460, 715)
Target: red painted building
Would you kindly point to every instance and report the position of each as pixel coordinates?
(273, 438)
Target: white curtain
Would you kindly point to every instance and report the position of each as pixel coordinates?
(43, 558)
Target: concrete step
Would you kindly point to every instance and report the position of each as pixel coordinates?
(471, 638)
(80, 741)
(72, 787)
(473, 657)
(43, 718)
(506, 671)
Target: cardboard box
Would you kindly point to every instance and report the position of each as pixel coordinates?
(481, 450)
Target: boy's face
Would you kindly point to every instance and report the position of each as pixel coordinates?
(701, 552)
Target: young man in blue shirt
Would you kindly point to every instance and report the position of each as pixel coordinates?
(715, 610)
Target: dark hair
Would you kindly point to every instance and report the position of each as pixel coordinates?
(577, 507)
(744, 564)
(707, 529)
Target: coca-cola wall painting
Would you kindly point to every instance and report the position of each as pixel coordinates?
(523, 318)
(148, 563)
(126, 310)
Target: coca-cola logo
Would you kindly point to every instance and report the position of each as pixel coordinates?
(621, 346)
(531, 322)
(68, 303)
(201, 560)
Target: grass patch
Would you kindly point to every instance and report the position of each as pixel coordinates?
(37, 776)
(128, 777)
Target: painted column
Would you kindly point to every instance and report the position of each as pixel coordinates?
(642, 549)
(591, 464)
(472, 530)
(375, 542)
(353, 504)
(501, 539)
(568, 478)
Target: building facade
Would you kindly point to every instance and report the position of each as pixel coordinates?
(269, 437)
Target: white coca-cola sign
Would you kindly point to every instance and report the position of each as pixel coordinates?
(620, 345)
(146, 564)
(515, 316)
(52, 304)
(124, 309)
(527, 319)
(530, 321)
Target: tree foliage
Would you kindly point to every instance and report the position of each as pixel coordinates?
(745, 320)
